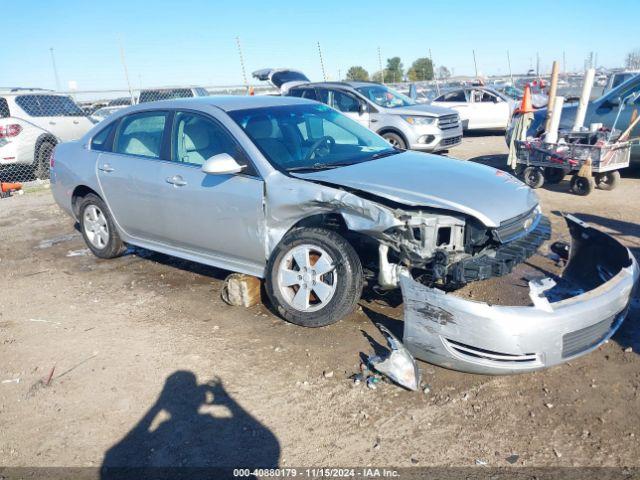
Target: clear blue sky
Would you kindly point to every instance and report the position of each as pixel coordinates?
(193, 41)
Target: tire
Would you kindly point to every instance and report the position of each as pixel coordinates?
(554, 175)
(341, 284)
(582, 185)
(395, 140)
(607, 180)
(533, 176)
(98, 229)
(41, 166)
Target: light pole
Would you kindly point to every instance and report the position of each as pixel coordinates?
(55, 69)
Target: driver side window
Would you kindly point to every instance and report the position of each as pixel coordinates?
(345, 103)
(196, 138)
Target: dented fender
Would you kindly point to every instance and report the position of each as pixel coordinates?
(569, 316)
(292, 200)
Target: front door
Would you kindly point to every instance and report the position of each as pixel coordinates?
(346, 103)
(220, 216)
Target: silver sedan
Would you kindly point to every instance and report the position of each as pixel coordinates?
(294, 192)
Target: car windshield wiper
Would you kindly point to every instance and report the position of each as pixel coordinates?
(385, 153)
(317, 166)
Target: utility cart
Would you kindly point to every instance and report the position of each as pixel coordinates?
(589, 157)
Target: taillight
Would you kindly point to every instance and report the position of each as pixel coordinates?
(12, 130)
(52, 159)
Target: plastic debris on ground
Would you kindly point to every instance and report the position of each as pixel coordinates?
(398, 365)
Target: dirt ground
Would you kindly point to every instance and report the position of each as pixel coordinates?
(150, 366)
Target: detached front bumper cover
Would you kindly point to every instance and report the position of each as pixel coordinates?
(570, 316)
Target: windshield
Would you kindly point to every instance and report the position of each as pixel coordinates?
(622, 91)
(385, 97)
(309, 137)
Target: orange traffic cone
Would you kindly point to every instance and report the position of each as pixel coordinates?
(526, 106)
(8, 187)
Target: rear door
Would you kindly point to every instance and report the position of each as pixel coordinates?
(214, 215)
(130, 175)
(490, 110)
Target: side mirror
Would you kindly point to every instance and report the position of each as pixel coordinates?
(363, 108)
(221, 164)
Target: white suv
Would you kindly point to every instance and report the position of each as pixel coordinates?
(32, 122)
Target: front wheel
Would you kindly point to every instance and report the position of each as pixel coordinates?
(314, 277)
(533, 176)
(395, 140)
(582, 185)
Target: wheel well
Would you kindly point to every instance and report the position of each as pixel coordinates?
(43, 138)
(365, 246)
(382, 131)
(78, 194)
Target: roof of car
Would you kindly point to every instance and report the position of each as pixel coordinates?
(227, 103)
(23, 90)
(353, 84)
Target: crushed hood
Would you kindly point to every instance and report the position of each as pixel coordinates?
(419, 179)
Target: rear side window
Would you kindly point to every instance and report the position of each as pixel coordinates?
(49, 106)
(141, 134)
(4, 108)
(309, 93)
(103, 139)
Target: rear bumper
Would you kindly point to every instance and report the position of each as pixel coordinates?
(567, 319)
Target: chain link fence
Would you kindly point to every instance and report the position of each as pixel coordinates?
(34, 121)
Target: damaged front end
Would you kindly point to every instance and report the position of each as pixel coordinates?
(570, 316)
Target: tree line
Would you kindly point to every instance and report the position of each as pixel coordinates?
(421, 69)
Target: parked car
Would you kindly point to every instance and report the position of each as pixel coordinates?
(32, 122)
(296, 193)
(153, 95)
(602, 110)
(401, 121)
(104, 112)
(538, 100)
(618, 78)
(480, 108)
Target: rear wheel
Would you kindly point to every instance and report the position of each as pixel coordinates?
(607, 180)
(582, 185)
(533, 176)
(41, 167)
(395, 140)
(98, 228)
(314, 277)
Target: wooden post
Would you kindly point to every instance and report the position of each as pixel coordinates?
(552, 94)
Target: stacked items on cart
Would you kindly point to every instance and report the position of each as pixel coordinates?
(593, 155)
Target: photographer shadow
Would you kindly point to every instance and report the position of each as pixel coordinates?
(178, 438)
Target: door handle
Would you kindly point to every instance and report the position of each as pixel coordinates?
(373, 120)
(106, 168)
(176, 180)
